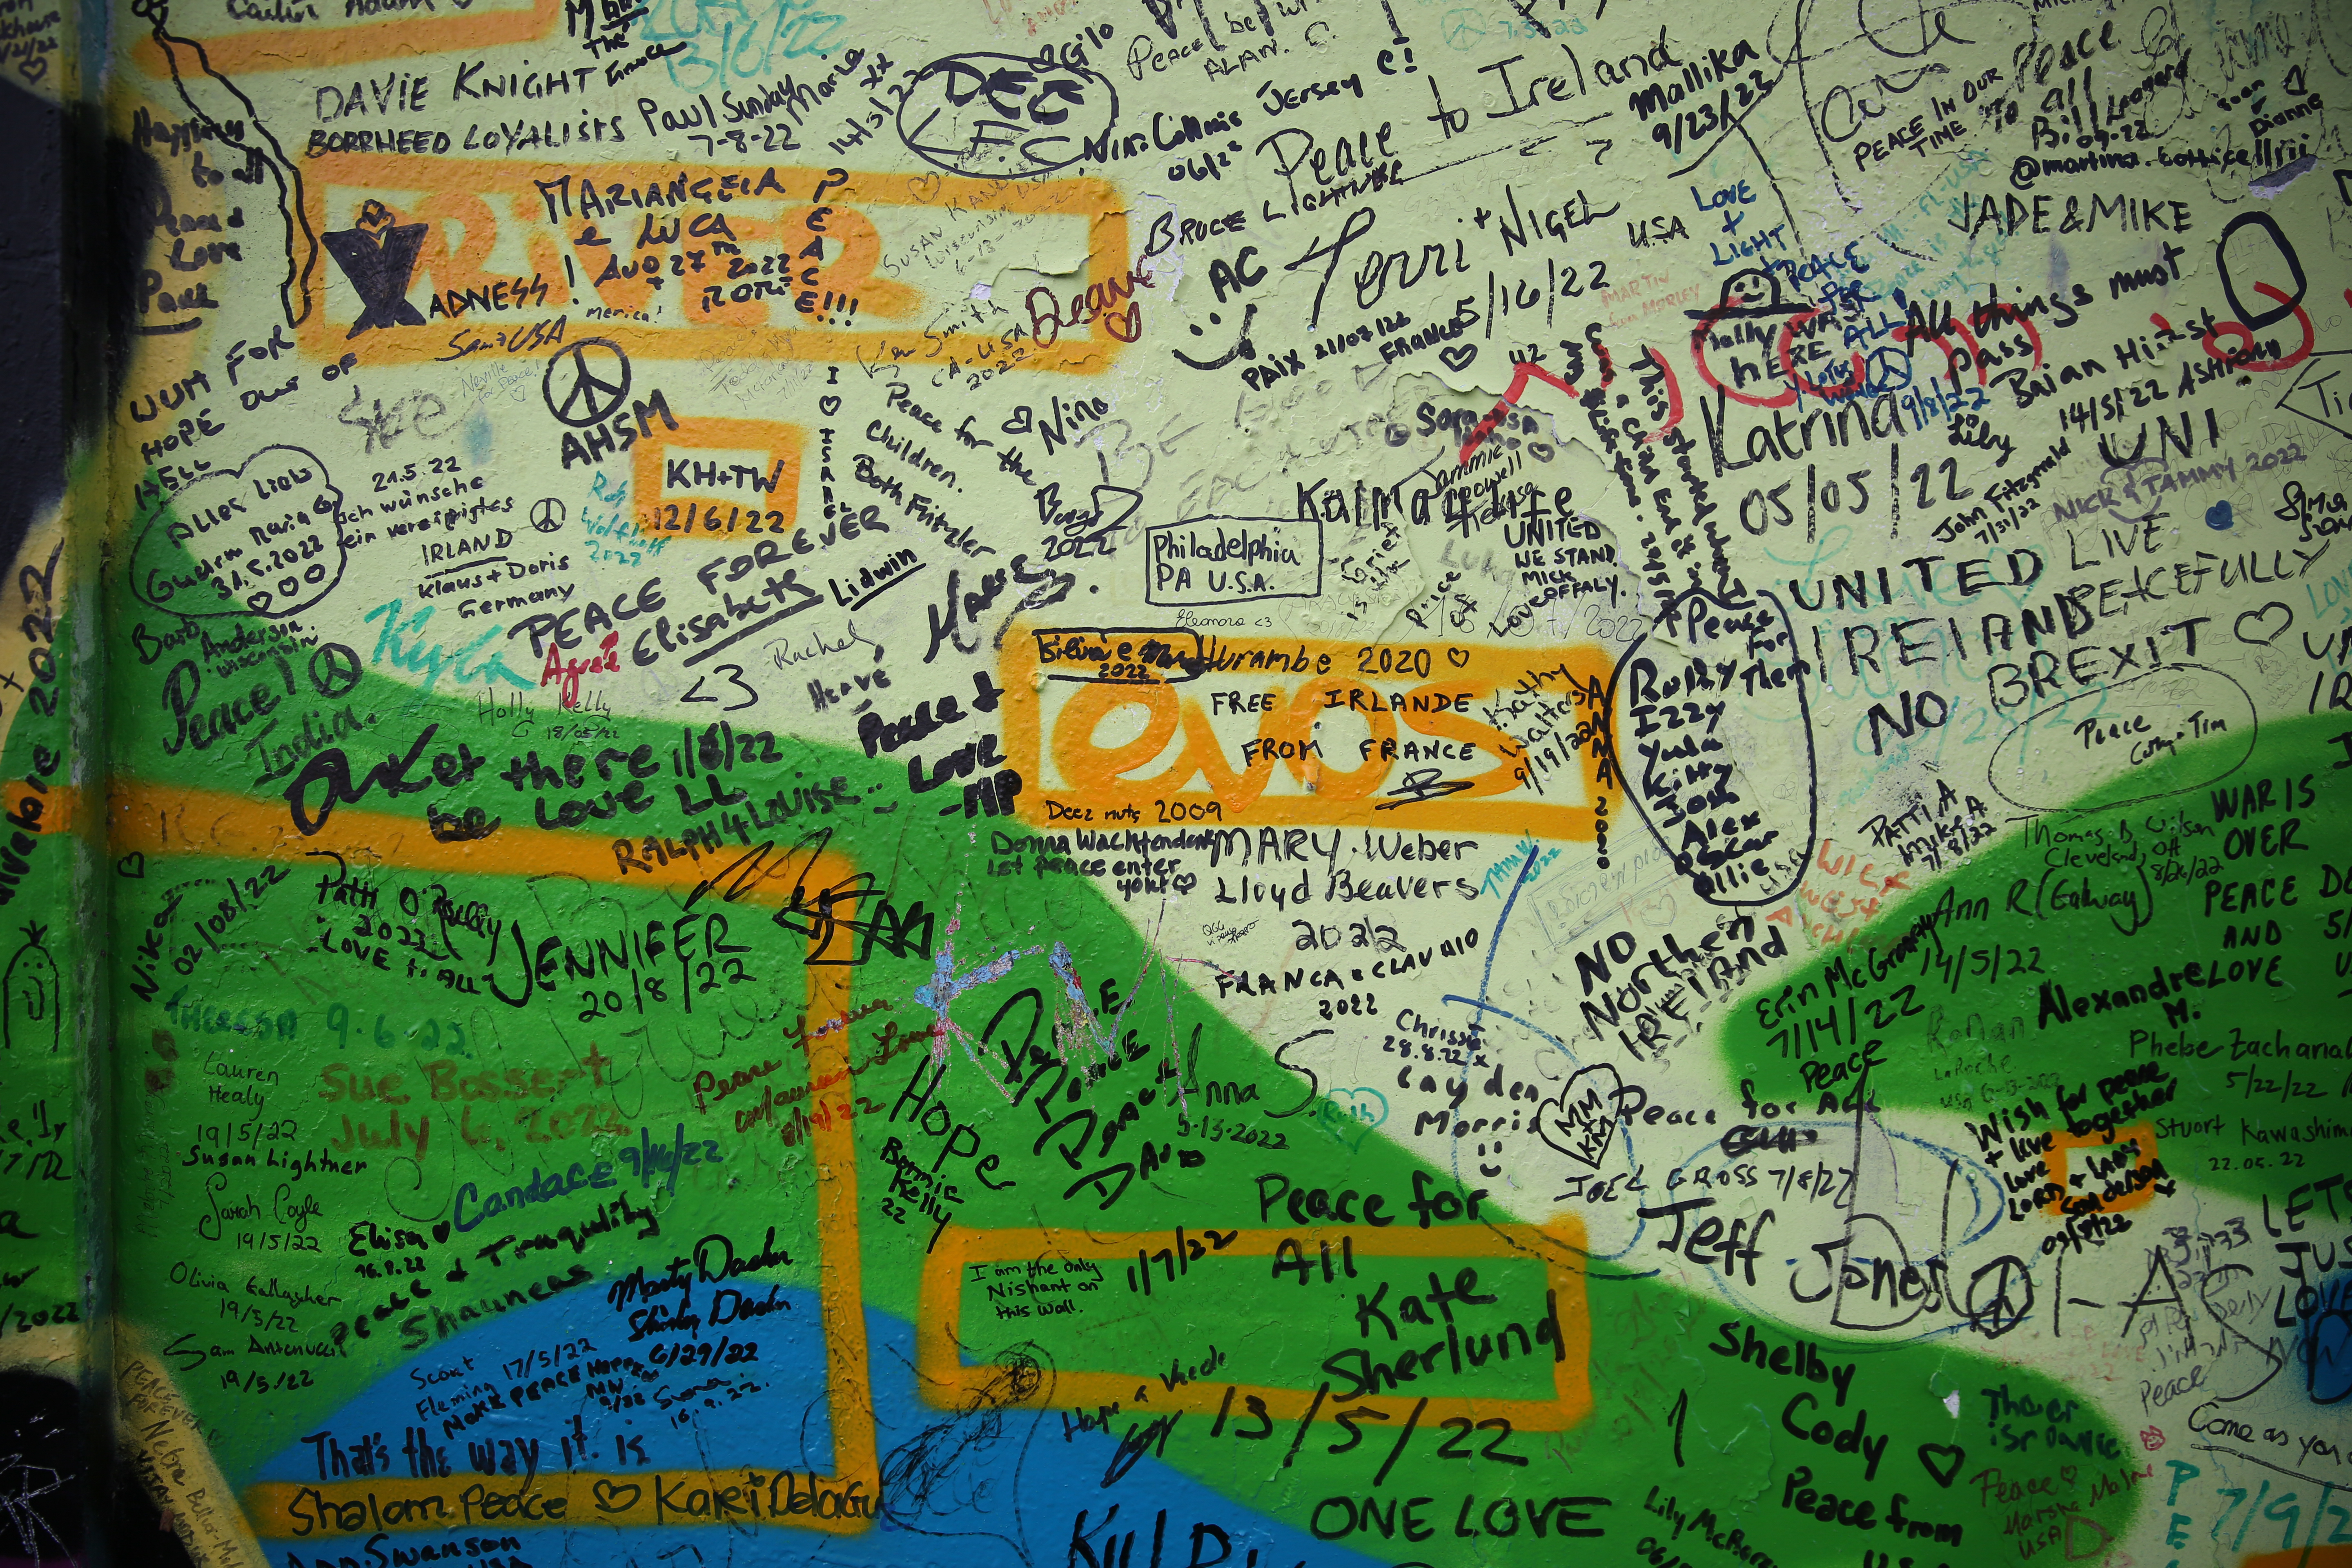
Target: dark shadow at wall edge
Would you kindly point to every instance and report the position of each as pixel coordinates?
(68, 339)
(120, 233)
(43, 1520)
(76, 216)
(77, 220)
(47, 1448)
(34, 428)
(41, 1447)
(137, 1535)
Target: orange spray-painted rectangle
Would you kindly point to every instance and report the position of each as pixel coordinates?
(681, 261)
(715, 499)
(1414, 737)
(946, 1380)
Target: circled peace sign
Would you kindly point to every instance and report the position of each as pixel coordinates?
(334, 669)
(580, 391)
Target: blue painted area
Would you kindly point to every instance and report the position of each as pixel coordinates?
(2218, 517)
(2323, 1340)
(543, 1371)
(958, 1490)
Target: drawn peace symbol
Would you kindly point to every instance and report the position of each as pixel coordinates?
(334, 669)
(547, 515)
(1463, 28)
(581, 390)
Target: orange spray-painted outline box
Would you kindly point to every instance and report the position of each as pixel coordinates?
(2142, 1133)
(1374, 794)
(1560, 1246)
(781, 442)
(1076, 351)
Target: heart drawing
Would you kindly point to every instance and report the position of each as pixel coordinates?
(1952, 1456)
(2271, 623)
(1583, 1120)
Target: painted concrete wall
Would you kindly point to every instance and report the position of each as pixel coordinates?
(1270, 784)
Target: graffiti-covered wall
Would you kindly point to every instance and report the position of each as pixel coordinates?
(1171, 782)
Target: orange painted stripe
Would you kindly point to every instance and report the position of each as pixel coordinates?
(2302, 1557)
(286, 48)
(160, 819)
(59, 803)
